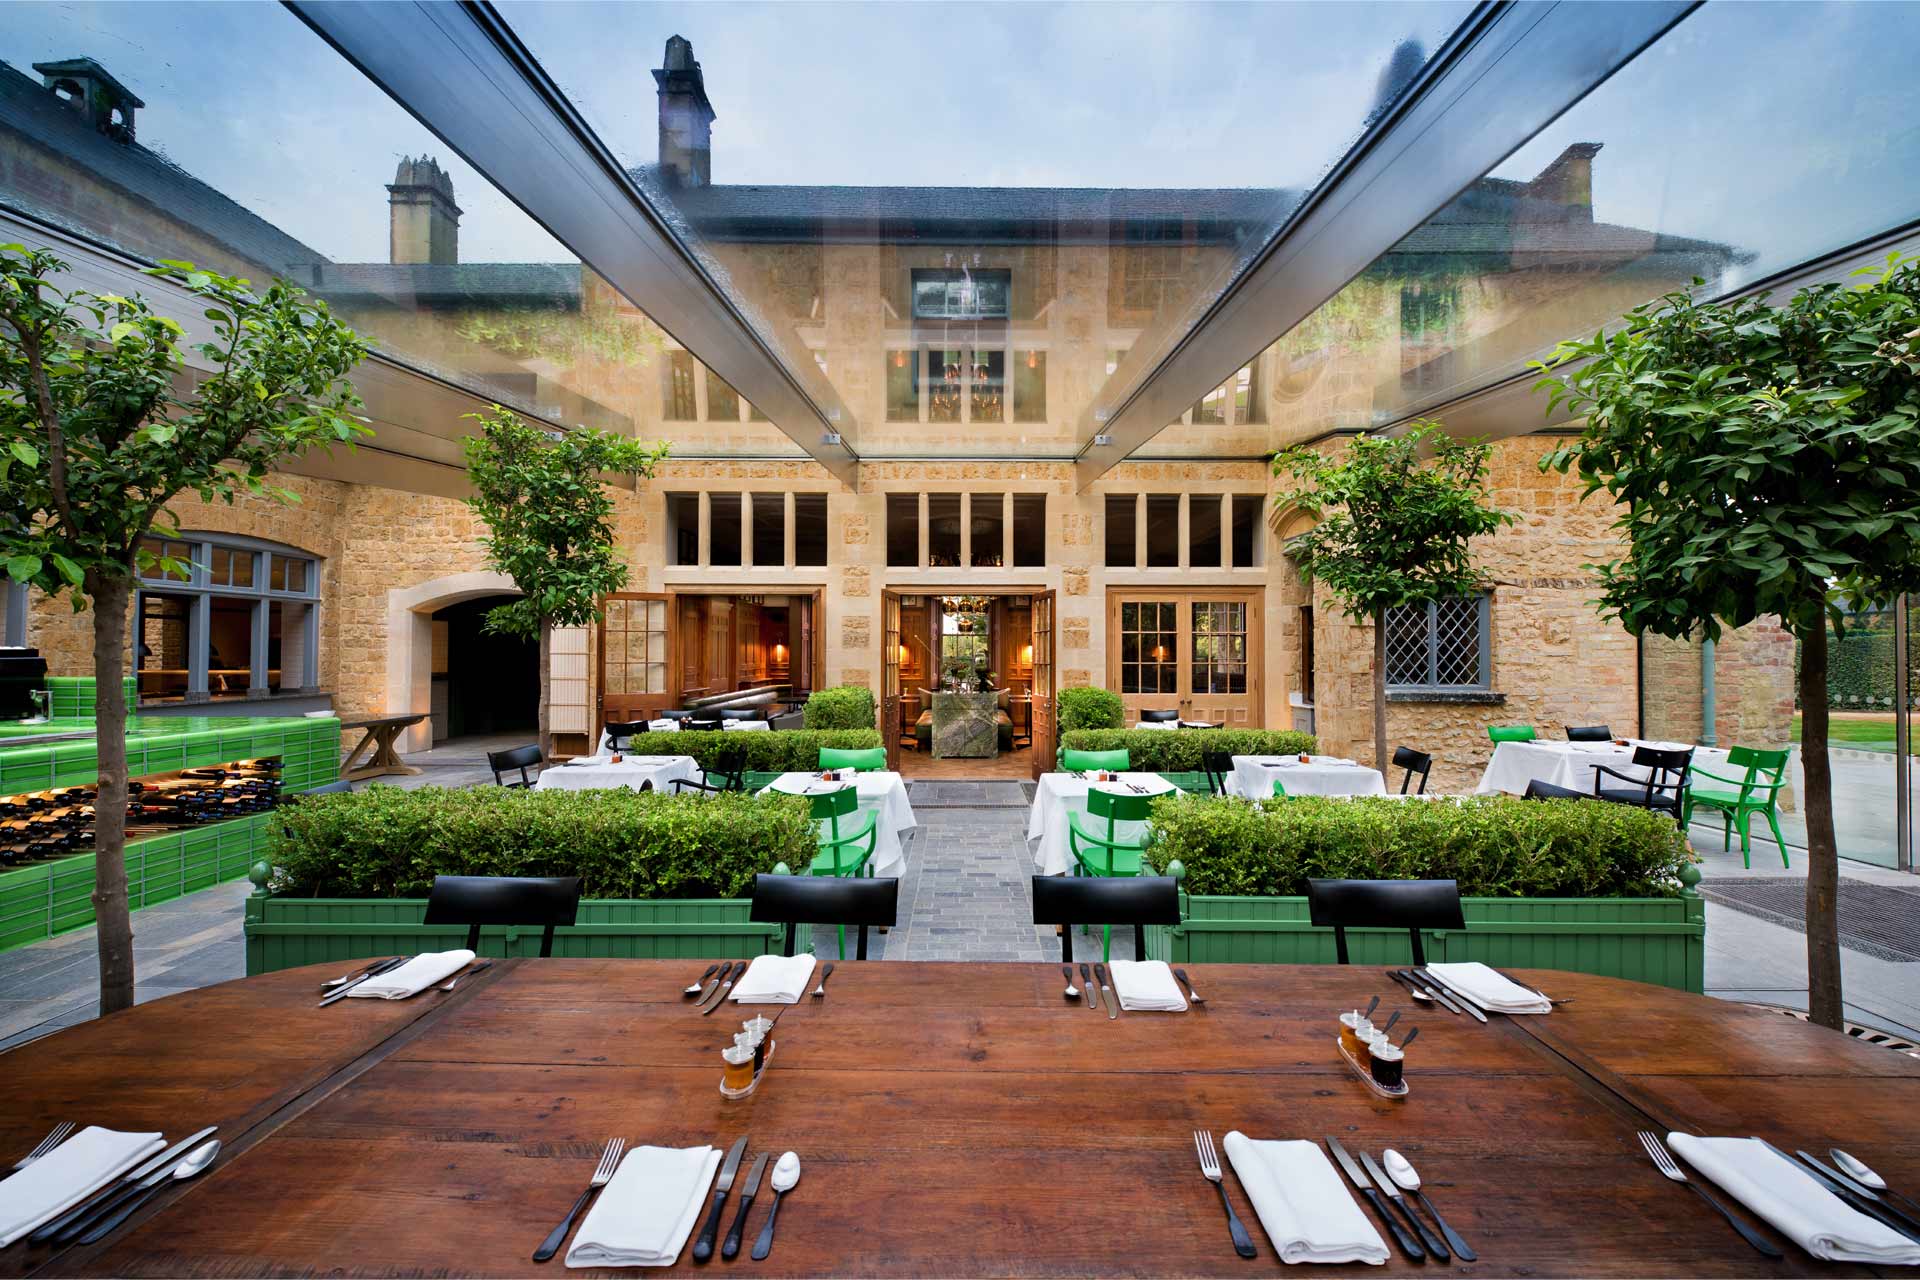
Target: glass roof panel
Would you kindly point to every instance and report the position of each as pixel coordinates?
(969, 215)
(1723, 152)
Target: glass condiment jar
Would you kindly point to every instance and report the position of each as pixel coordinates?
(1387, 1061)
(736, 1076)
(1351, 1026)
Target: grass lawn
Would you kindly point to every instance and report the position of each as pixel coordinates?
(1863, 731)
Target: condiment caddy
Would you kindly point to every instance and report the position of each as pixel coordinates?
(1376, 1060)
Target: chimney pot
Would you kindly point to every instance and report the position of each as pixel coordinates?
(686, 117)
(423, 220)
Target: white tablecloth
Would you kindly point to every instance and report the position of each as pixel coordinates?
(1059, 794)
(673, 726)
(883, 792)
(1254, 777)
(1570, 764)
(597, 773)
(1172, 724)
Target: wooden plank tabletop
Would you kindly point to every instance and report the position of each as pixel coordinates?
(953, 1119)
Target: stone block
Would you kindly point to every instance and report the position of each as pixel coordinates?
(854, 581)
(856, 631)
(1073, 582)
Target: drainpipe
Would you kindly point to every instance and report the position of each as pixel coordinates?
(1707, 711)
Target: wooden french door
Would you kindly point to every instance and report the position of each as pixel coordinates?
(1042, 710)
(634, 676)
(890, 676)
(1197, 652)
(809, 669)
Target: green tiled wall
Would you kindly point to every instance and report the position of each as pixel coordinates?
(73, 695)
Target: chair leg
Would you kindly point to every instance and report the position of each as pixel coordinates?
(1726, 831)
(1778, 839)
(1419, 952)
(1066, 945)
(843, 940)
(1746, 838)
(861, 954)
(1106, 943)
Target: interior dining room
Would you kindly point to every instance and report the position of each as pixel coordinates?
(976, 649)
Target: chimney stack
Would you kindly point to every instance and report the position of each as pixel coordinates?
(1568, 181)
(84, 85)
(424, 220)
(686, 118)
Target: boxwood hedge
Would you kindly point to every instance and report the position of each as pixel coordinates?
(776, 751)
(1178, 750)
(1495, 846)
(847, 706)
(1085, 707)
(387, 843)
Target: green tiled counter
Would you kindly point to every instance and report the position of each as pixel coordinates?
(72, 696)
(52, 897)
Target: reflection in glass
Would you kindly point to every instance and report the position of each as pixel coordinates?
(1147, 646)
(1219, 646)
(943, 530)
(946, 384)
(903, 386)
(1029, 386)
(681, 404)
(723, 402)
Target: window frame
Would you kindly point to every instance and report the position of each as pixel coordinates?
(1483, 625)
(752, 502)
(200, 592)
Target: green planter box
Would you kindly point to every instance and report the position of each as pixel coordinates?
(284, 933)
(1655, 940)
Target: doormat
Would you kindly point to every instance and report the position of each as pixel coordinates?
(1880, 920)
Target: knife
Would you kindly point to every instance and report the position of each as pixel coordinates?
(1881, 1196)
(727, 978)
(1086, 980)
(378, 966)
(77, 1219)
(374, 972)
(718, 978)
(703, 1247)
(1435, 1246)
(1464, 1000)
(732, 1245)
(1867, 1203)
(1408, 1245)
(1107, 992)
(1406, 979)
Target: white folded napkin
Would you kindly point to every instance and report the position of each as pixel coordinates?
(67, 1175)
(644, 1215)
(774, 980)
(1488, 989)
(1147, 985)
(413, 977)
(1304, 1207)
(1794, 1201)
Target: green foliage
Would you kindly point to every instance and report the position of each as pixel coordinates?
(1090, 708)
(778, 751)
(847, 706)
(387, 843)
(1495, 846)
(1766, 460)
(100, 428)
(549, 516)
(1394, 516)
(1178, 750)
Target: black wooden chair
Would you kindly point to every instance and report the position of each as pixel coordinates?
(680, 717)
(1160, 717)
(1539, 790)
(336, 788)
(863, 901)
(702, 724)
(1413, 762)
(728, 772)
(1664, 788)
(521, 758)
(1412, 905)
(619, 732)
(1105, 900)
(1589, 733)
(508, 900)
(1218, 766)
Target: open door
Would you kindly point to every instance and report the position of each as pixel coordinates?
(890, 676)
(1043, 687)
(810, 668)
(634, 678)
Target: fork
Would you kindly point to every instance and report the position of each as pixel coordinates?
(454, 981)
(1210, 1169)
(1664, 1161)
(602, 1172)
(54, 1138)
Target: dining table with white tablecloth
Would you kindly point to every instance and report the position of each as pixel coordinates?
(600, 773)
(1254, 776)
(882, 791)
(674, 726)
(1175, 724)
(1571, 764)
(1057, 795)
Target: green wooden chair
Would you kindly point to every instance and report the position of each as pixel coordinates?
(848, 835)
(1510, 733)
(860, 759)
(1757, 791)
(1094, 838)
(1081, 761)
(1279, 789)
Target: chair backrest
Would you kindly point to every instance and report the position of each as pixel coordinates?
(618, 731)
(852, 900)
(831, 806)
(1667, 769)
(520, 758)
(1589, 733)
(1510, 732)
(1160, 717)
(682, 716)
(1073, 761)
(514, 900)
(861, 759)
(1413, 762)
(1219, 767)
(730, 762)
(1113, 807)
(1138, 901)
(1763, 768)
(1412, 905)
(702, 724)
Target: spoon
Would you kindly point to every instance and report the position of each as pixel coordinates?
(1859, 1172)
(694, 990)
(1390, 1021)
(196, 1162)
(786, 1172)
(1371, 1006)
(1403, 1175)
(1072, 992)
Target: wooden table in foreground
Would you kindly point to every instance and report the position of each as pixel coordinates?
(953, 1119)
(379, 734)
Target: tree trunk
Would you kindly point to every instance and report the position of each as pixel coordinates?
(1380, 691)
(113, 925)
(546, 691)
(1823, 854)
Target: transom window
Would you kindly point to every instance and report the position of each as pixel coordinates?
(747, 530)
(966, 530)
(225, 617)
(1442, 644)
(1223, 531)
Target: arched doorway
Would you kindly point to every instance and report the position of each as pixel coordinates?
(483, 684)
(410, 656)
